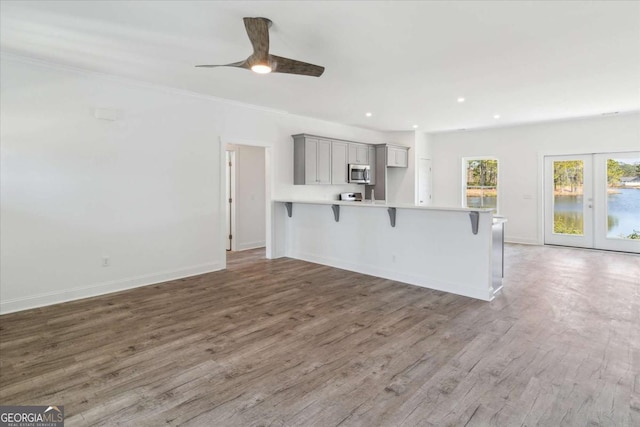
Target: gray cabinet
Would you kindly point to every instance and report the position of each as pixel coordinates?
(311, 160)
(339, 162)
(358, 154)
(397, 156)
(372, 164)
(319, 160)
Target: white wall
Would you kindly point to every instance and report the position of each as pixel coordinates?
(423, 147)
(143, 190)
(519, 150)
(250, 203)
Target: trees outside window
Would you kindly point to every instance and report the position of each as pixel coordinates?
(481, 183)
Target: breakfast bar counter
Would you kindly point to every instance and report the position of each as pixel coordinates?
(452, 249)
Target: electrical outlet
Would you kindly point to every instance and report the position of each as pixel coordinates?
(393, 258)
(106, 262)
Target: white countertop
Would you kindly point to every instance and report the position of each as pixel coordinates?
(385, 204)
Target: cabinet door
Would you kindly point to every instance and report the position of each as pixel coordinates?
(391, 156)
(402, 158)
(339, 162)
(358, 154)
(310, 161)
(323, 168)
(372, 164)
(397, 157)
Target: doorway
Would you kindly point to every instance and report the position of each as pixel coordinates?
(246, 188)
(593, 201)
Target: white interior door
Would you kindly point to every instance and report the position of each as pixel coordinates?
(424, 182)
(569, 200)
(593, 201)
(230, 158)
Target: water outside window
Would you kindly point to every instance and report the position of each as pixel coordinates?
(482, 183)
(568, 197)
(593, 201)
(623, 198)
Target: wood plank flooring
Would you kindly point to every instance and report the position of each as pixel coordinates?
(287, 343)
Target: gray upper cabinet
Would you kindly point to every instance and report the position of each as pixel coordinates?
(358, 154)
(339, 162)
(311, 160)
(319, 160)
(372, 164)
(397, 156)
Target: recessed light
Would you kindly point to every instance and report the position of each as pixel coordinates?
(461, 100)
(415, 126)
(368, 114)
(496, 116)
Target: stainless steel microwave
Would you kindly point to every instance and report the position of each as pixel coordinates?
(359, 174)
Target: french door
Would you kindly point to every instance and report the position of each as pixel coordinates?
(593, 201)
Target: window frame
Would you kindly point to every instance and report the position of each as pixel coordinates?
(463, 193)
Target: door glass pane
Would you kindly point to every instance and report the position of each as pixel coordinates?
(623, 198)
(482, 184)
(568, 200)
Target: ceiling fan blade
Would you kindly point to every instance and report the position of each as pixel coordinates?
(239, 64)
(291, 66)
(258, 32)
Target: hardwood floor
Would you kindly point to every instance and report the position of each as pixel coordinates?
(285, 342)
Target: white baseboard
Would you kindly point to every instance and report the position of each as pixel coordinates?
(250, 245)
(370, 270)
(521, 240)
(275, 254)
(71, 294)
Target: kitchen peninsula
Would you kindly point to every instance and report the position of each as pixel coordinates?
(457, 250)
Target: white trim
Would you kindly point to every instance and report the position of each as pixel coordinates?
(269, 186)
(463, 188)
(222, 202)
(540, 198)
(99, 289)
(251, 245)
(521, 241)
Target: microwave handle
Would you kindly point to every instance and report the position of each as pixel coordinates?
(366, 175)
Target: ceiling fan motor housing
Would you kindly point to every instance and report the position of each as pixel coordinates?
(261, 61)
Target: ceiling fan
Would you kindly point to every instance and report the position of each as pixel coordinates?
(261, 61)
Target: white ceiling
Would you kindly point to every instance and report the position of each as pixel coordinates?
(406, 62)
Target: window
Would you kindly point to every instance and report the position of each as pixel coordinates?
(480, 180)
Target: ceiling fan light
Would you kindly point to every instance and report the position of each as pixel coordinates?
(261, 68)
